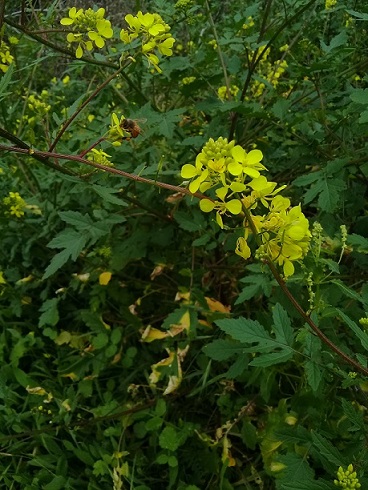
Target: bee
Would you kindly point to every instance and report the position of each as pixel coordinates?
(131, 126)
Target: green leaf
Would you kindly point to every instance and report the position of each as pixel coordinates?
(107, 194)
(189, 222)
(100, 341)
(57, 483)
(167, 122)
(203, 240)
(360, 96)
(252, 332)
(359, 243)
(362, 336)
(56, 263)
(221, 350)
(273, 358)
(84, 223)
(5, 80)
(50, 315)
(160, 408)
(355, 417)
(359, 15)
(280, 108)
(282, 326)
(169, 439)
(313, 373)
(307, 485)
(154, 424)
(238, 367)
(297, 468)
(331, 264)
(337, 41)
(326, 449)
(350, 293)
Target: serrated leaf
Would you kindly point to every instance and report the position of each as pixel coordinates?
(297, 468)
(63, 239)
(168, 122)
(331, 264)
(307, 485)
(169, 439)
(355, 417)
(350, 293)
(186, 221)
(338, 40)
(328, 189)
(362, 336)
(247, 293)
(246, 331)
(313, 373)
(57, 483)
(266, 360)
(238, 367)
(221, 350)
(50, 315)
(83, 222)
(363, 117)
(360, 95)
(5, 80)
(282, 326)
(107, 194)
(280, 108)
(56, 263)
(327, 449)
(203, 240)
(252, 332)
(359, 242)
(359, 15)
(76, 219)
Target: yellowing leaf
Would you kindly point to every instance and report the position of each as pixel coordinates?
(71, 376)
(215, 305)
(37, 390)
(104, 278)
(63, 338)
(150, 334)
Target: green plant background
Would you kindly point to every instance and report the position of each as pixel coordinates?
(262, 403)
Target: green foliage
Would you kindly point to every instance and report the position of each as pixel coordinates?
(137, 350)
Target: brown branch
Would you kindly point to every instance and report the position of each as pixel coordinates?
(299, 309)
(41, 155)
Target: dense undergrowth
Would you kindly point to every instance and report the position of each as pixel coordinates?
(147, 341)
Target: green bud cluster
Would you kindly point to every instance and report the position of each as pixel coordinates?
(347, 479)
(221, 148)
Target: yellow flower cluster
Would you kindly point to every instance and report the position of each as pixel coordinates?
(39, 103)
(100, 157)
(271, 72)
(347, 479)
(284, 233)
(330, 3)
(223, 93)
(6, 59)
(154, 34)
(248, 24)
(188, 80)
(14, 204)
(233, 176)
(89, 27)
